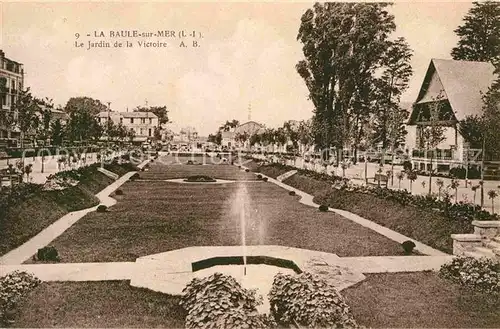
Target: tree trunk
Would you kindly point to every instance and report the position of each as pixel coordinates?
(392, 167)
(430, 175)
(366, 170)
(482, 172)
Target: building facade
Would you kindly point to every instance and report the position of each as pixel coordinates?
(451, 91)
(142, 123)
(11, 83)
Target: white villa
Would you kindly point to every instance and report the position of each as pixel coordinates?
(458, 87)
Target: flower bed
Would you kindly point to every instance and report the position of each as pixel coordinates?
(481, 275)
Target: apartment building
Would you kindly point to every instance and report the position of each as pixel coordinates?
(143, 123)
(11, 83)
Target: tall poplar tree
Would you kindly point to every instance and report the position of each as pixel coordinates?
(480, 34)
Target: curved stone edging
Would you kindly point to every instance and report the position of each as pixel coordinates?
(50, 233)
(307, 199)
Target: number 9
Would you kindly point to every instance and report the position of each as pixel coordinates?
(77, 35)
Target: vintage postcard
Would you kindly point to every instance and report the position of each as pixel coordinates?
(273, 164)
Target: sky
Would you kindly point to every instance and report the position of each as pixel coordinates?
(245, 59)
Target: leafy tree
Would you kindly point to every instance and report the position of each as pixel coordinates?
(160, 111)
(56, 132)
(471, 129)
(84, 104)
(433, 133)
(491, 121)
(26, 109)
(292, 133)
(157, 133)
(255, 139)
(43, 128)
(242, 137)
(229, 125)
(83, 126)
(305, 133)
(217, 138)
(131, 135)
(479, 36)
(390, 117)
(343, 45)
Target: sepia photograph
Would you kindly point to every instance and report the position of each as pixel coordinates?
(249, 164)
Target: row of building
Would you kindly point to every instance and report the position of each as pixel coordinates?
(456, 89)
(457, 86)
(12, 82)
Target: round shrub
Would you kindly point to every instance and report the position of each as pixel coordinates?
(219, 301)
(102, 208)
(200, 179)
(190, 162)
(307, 301)
(264, 179)
(119, 192)
(247, 170)
(47, 254)
(13, 288)
(292, 193)
(323, 208)
(259, 176)
(408, 246)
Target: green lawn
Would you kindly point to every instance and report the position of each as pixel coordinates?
(420, 224)
(156, 216)
(389, 300)
(26, 219)
(419, 300)
(101, 304)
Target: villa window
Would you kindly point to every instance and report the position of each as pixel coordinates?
(143, 120)
(142, 132)
(131, 120)
(150, 121)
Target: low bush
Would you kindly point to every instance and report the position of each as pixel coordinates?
(292, 193)
(408, 247)
(265, 179)
(13, 288)
(48, 254)
(102, 208)
(482, 275)
(219, 301)
(119, 192)
(323, 207)
(306, 301)
(247, 170)
(135, 176)
(259, 176)
(190, 162)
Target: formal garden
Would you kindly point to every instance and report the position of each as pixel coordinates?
(154, 214)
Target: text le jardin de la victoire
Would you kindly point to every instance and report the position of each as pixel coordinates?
(130, 34)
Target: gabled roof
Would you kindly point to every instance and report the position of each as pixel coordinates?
(463, 82)
(249, 127)
(138, 114)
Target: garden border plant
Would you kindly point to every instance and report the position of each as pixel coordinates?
(13, 289)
